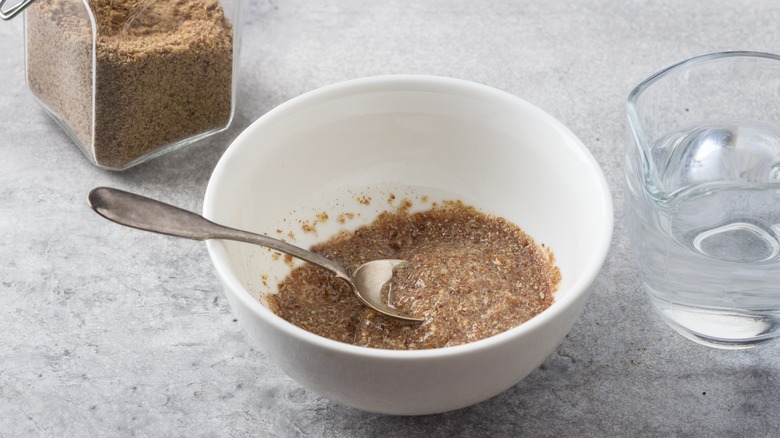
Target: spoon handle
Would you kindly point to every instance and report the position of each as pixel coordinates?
(147, 214)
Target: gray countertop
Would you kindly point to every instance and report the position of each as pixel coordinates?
(107, 331)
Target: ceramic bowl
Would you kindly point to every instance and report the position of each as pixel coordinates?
(352, 150)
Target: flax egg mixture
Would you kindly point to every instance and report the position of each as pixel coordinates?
(470, 275)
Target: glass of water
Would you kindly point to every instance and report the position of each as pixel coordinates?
(703, 192)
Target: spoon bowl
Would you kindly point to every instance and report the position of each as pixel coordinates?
(147, 214)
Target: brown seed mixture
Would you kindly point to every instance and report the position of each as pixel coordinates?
(163, 72)
(469, 275)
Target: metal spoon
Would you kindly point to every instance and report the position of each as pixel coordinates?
(147, 214)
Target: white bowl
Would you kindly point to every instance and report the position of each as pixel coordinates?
(423, 138)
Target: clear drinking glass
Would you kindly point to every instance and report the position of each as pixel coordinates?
(703, 178)
(129, 80)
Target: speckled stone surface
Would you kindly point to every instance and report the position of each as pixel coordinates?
(107, 331)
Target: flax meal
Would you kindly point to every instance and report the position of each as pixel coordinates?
(163, 72)
(469, 275)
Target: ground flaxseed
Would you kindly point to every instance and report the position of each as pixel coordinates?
(162, 72)
(469, 275)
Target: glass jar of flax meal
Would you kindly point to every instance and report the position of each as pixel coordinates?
(129, 80)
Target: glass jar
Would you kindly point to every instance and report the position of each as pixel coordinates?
(129, 80)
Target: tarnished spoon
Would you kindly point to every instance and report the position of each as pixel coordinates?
(147, 214)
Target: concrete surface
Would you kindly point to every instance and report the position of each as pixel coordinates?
(106, 331)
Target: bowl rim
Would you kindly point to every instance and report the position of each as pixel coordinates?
(410, 82)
